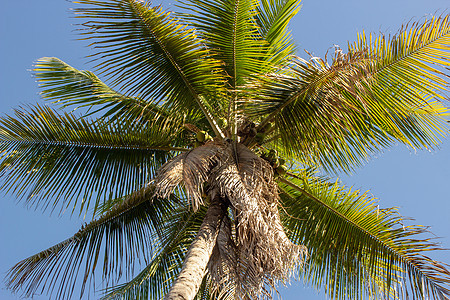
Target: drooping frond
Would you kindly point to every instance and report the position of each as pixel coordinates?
(58, 160)
(192, 169)
(337, 115)
(223, 271)
(65, 85)
(204, 292)
(355, 248)
(155, 279)
(273, 18)
(146, 52)
(114, 242)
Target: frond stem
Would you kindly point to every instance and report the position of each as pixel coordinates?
(92, 145)
(196, 96)
(409, 261)
(234, 106)
(303, 191)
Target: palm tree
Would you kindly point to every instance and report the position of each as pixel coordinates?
(190, 150)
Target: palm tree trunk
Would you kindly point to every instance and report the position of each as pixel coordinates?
(191, 275)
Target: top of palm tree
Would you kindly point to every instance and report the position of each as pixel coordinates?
(218, 87)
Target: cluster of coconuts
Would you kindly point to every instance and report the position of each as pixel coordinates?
(249, 131)
(201, 138)
(278, 164)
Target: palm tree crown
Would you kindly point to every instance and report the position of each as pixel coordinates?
(203, 158)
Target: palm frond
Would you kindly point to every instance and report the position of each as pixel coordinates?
(69, 87)
(273, 18)
(384, 91)
(146, 52)
(355, 248)
(52, 159)
(204, 292)
(155, 279)
(229, 29)
(121, 237)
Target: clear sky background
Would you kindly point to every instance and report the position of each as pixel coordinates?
(417, 182)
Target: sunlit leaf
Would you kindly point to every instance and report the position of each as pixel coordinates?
(381, 91)
(55, 160)
(356, 249)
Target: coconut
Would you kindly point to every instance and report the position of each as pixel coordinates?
(201, 135)
(281, 170)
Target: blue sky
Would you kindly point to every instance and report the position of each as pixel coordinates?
(416, 182)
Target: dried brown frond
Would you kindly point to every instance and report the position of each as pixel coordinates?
(260, 254)
(265, 254)
(170, 175)
(192, 168)
(222, 266)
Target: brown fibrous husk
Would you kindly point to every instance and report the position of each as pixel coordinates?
(258, 254)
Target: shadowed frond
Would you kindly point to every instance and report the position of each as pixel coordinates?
(355, 248)
(146, 52)
(65, 85)
(337, 115)
(154, 281)
(204, 292)
(58, 160)
(121, 237)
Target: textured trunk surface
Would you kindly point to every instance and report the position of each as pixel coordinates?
(188, 282)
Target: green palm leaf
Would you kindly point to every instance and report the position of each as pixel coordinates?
(51, 158)
(336, 115)
(356, 249)
(229, 29)
(65, 85)
(154, 281)
(120, 237)
(273, 18)
(147, 52)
